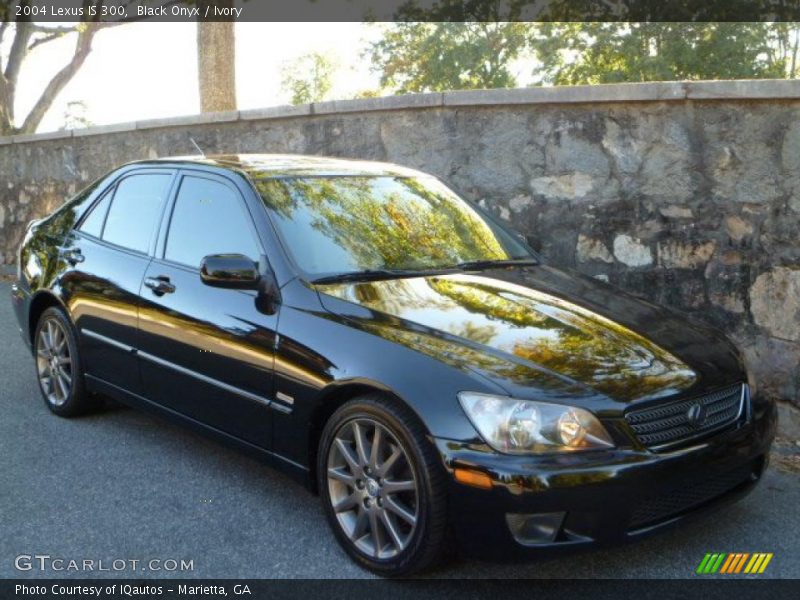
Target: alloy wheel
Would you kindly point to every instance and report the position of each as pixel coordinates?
(53, 362)
(372, 488)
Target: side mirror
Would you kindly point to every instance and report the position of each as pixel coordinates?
(234, 271)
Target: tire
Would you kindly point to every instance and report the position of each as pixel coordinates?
(363, 491)
(59, 371)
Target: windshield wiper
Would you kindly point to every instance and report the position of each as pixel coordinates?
(477, 265)
(369, 275)
(378, 274)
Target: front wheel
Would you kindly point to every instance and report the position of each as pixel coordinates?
(383, 492)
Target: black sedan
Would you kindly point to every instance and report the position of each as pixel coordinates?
(369, 332)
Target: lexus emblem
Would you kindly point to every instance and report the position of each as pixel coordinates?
(696, 415)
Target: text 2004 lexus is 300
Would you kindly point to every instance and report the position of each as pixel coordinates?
(366, 330)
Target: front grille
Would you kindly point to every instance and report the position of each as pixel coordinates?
(670, 424)
(665, 506)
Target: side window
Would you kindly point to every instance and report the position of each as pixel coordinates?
(208, 218)
(93, 223)
(135, 208)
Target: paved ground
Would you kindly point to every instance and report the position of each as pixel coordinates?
(123, 485)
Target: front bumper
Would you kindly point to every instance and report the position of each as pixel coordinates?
(607, 496)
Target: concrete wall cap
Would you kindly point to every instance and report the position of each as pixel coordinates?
(275, 112)
(103, 129)
(403, 101)
(182, 121)
(40, 137)
(747, 89)
(569, 94)
(738, 90)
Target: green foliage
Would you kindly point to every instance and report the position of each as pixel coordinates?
(308, 78)
(437, 56)
(430, 57)
(587, 53)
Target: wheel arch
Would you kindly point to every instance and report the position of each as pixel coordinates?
(331, 399)
(41, 301)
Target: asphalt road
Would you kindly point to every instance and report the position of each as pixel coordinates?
(124, 485)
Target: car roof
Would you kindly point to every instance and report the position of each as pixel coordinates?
(262, 166)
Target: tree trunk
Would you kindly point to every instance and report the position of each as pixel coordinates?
(16, 56)
(216, 62)
(6, 123)
(82, 49)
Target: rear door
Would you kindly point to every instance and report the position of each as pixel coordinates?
(207, 352)
(110, 251)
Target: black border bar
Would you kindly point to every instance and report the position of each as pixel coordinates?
(403, 10)
(347, 589)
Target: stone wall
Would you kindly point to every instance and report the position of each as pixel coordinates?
(687, 194)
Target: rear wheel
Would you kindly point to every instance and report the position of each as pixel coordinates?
(58, 365)
(384, 494)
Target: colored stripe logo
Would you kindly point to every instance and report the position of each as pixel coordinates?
(734, 563)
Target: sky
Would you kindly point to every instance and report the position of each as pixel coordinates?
(149, 70)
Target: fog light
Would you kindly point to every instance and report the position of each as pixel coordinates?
(535, 529)
(474, 478)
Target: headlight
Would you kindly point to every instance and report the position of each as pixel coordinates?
(522, 426)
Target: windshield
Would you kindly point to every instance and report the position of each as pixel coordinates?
(346, 224)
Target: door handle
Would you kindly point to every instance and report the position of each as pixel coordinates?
(160, 285)
(72, 255)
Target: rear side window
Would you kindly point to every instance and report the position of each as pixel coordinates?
(94, 221)
(135, 208)
(208, 218)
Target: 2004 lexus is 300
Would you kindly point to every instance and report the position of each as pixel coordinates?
(369, 332)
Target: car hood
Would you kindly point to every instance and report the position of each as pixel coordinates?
(543, 329)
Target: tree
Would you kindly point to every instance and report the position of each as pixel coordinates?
(587, 53)
(27, 36)
(308, 78)
(216, 60)
(367, 93)
(428, 57)
(75, 115)
(20, 37)
(787, 47)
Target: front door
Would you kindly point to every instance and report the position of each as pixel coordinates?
(206, 352)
